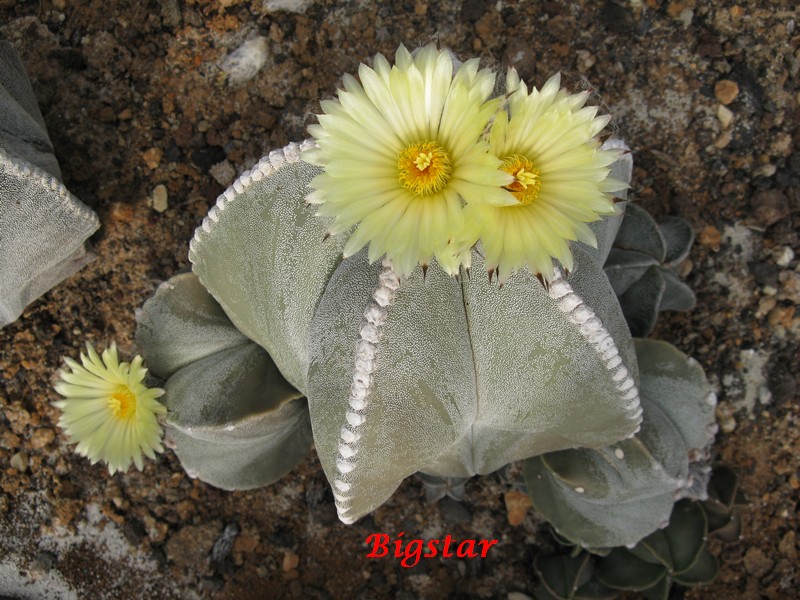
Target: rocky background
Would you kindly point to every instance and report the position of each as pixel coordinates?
(151, 120)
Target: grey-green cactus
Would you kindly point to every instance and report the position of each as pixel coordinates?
(42, 226)
(448, 377)
(641, 267)
(677, 553)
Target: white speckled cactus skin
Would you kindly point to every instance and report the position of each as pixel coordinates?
(42, 226)
(451, 377)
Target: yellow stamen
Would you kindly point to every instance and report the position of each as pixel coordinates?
(527, 178)
(424, 168)
(122, 402)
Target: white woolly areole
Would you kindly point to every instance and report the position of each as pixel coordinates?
(356, 417)
(592, 329)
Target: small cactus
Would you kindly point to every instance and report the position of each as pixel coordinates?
(675, 554)
(641, 268)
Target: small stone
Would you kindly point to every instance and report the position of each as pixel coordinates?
(295, 6)
(790, 286)
(788, 545)
(160, 198)
(757, 563)
(19, 461)
(725, 417)
(781, 315)
(723, 140)
(125, 115)
(245, 543)
(41, 437)
(9, 440)
(785, 257)
(726, 91)
(768, 207)
(724, 115)
(767, 170)
(517, 506)
(781, 144)
(290, 561)
(152, 157)
(710, 236)
(765, 305)
(203, 126)
(518, 596)
(246, 61)
(223, 173)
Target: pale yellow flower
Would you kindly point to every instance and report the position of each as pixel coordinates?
(108, 411)
(548, 142)
(402, 152)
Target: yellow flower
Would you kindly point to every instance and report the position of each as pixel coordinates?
(402, 152)
(108, 411)
(548, 142)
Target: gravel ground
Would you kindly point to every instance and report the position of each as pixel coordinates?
(139, 108)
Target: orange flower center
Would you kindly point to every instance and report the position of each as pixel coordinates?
(122, 403)
(527, 178)
(424, 168)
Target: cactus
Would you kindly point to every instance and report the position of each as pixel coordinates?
(287, 331)
(428, 347)
(616, 495)
(677, 553)
(425, 348)
(44, 227)
(641, 267)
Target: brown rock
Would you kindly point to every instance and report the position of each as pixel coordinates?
(768, 207)
(191, 546)
(245, 543)
(290, 561)
(517, 506)
(726, 91)
(41, 437)
(757, 563)
(152, 157)
(788, 545)
(710, 236)
(8, 440)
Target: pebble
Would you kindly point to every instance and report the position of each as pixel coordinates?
(152, 157)
(19, 461)
(790, 286)
(724, 115)
(785, 257)
(757, 563)
(41, 437)
(723, 140)
(725, 417)
(710, 236)
(517, 506)
(726, 91)
(767, 170)
(769, 207)
(290, 561)
(160, 198)
(781, 315)
(223, 172)
(246, 61)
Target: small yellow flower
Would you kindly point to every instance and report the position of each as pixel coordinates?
(402, 152)
(547, 141)
(108, 411)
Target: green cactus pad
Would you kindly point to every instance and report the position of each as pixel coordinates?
(617, 495)
(261, 253)
(458, 379)
(233, 419)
